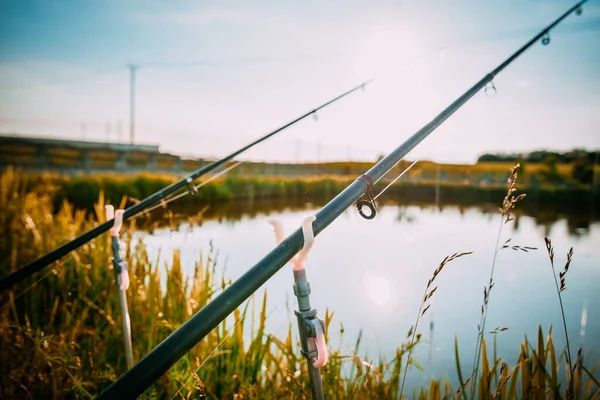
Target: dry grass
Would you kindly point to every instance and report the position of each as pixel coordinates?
(559, 289)
(60, 331)
(508, 204)
(427, 295)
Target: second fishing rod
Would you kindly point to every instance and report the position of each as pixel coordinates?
(158, 361)
(15, 277)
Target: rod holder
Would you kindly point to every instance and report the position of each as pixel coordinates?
(158, 361)
(121, 278)
(310, 327)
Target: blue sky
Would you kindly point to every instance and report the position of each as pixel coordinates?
(214, 75)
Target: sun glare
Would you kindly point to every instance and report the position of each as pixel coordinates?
(379, 290)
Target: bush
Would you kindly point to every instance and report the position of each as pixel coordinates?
(583, 171)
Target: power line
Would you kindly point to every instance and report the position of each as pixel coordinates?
(242, 61)
(158, 361)
(42, 262)
(54, 82)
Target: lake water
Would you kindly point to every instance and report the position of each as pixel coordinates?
(372, 274)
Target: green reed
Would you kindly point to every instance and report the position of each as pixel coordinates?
(60, 331)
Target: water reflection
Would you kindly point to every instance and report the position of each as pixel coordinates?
(578, 221)
(379, 290)
(372, 273)
(431, 324)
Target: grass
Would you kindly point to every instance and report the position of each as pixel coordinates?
(60, 331)
(427, 295)
(508, 204)
(559, 290)
(60, 335)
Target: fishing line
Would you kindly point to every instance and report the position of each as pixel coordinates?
(193, 190)
(213, 177)
(13, 278)
(394, 181)
(27, 289)
(159, 360)
(215, 349)
(370, 202)
(57, 82)
(217, 346)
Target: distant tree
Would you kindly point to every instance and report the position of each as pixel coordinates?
(488, 158)
(540, 156)
(573, 155)
(522, 169)
(550, 171)
(498, 157)
(583, 170)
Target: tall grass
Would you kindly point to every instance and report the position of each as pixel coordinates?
(559, 290)
(427, 295)
(508, 204)
(60, 331)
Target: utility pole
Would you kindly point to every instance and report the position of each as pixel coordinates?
(132, 69)
(594, 184)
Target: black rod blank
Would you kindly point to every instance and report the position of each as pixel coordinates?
(13, 278)
(133, 382)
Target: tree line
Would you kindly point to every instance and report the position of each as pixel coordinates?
(540, 156)
(583, 163)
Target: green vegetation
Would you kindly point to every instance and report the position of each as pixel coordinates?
(457, 184)
(540, 155)
(581, 163)
(60, 331)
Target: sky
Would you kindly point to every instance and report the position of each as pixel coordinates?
(214, 75)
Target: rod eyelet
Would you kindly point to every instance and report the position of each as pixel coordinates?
(490, 89)
(370, 206)
(191, 187)
(546, 40)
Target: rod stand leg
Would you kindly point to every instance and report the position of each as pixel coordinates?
(309, 325)
(121, 279)
(311, 329)
(120, 268)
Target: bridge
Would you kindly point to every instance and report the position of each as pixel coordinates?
(76, 156)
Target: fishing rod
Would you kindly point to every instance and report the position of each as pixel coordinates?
(39, 264)
(150, 368)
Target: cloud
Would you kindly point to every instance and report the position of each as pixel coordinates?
(523, 83)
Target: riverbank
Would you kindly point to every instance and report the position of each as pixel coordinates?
(83, 191)
(61, 337)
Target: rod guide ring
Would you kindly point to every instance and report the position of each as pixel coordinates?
(369, 202)
(369, 205)
(546, 39)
